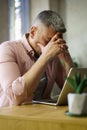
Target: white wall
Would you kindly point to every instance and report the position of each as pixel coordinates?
(37, 6)
(76, 22)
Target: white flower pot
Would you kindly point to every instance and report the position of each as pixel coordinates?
(77, 103)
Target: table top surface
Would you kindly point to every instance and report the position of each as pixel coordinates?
(40, 112)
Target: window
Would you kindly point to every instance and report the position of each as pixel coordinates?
(18, 18)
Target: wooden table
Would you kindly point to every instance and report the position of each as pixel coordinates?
(39, 117)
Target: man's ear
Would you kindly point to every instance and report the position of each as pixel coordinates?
(33, 31)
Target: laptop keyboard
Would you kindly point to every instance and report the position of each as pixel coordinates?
(49, 100)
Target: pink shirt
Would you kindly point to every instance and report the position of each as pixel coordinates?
(16, 58)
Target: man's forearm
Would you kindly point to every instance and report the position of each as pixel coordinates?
(32, 77)
(66, 61)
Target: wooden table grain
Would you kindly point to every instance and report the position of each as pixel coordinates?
(39, 117)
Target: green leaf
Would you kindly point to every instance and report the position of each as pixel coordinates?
(82, 84)
(78, 82)
(72, 83)
(78, 78)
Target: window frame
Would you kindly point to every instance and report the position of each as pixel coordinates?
(24, 14)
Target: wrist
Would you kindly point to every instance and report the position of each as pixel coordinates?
(45, 58)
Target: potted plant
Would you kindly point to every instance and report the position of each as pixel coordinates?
(77, 102)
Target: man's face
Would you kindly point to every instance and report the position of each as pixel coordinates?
(42, 35)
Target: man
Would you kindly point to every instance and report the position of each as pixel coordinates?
(23, 62)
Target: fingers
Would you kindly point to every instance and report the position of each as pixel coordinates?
(61, 43)
(55, 37)
(63, 46)
(60, 40)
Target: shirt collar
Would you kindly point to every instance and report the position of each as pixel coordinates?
(26, 45)
(28, 48)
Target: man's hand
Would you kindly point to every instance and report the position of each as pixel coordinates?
(54, 47)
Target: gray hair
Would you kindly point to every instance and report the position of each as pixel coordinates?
(51, 18)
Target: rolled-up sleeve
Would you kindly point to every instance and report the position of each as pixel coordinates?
(17, 92)
(18, 86)
(12, 85)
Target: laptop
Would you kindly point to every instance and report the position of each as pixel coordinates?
(62, 97)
